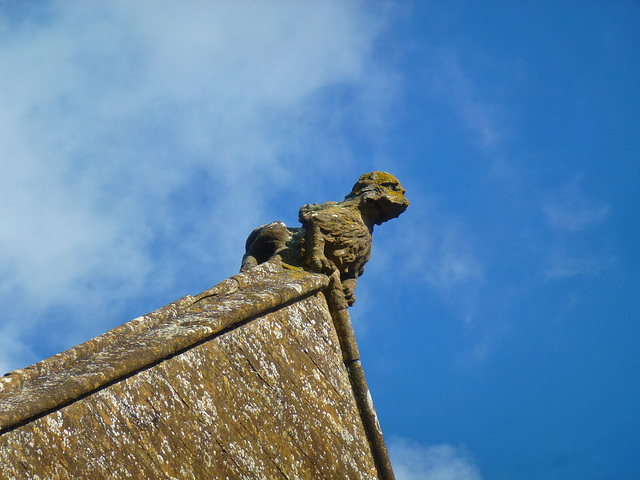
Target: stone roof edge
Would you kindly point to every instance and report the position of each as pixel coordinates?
(67, 376)
(338, 308)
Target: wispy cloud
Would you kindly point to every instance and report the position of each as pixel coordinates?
(413, 461)
(569, 209)
(562, 265)
(435, 246)
(436, 249)
(140, 137)
(453, 83)
(570, 213)
(422, 251)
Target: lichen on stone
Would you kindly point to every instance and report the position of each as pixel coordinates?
(335, 237)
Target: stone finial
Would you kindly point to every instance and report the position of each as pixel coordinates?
(335, 238)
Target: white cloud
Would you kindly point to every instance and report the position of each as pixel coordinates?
(562, 265)
(436, 249)
(479, 89)
(433, 247)
(423, 249)
(452, 82)
(571, 214)
(568, 209)
(413, 461)
(139, 137)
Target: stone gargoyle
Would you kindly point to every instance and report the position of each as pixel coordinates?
(335, 238)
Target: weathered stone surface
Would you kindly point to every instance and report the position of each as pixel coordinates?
(335, 236)
(258, 377)
(271, 399)
(335, 239)
(148, 339)
(246, 380)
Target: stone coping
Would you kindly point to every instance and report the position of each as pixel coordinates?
(140, 343)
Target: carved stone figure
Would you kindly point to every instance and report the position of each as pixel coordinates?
(335, 237)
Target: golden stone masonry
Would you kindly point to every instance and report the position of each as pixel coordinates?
(258, 377)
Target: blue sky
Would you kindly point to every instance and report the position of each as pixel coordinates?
(141, 142)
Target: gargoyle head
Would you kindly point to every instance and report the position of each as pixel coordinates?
(379, 196)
